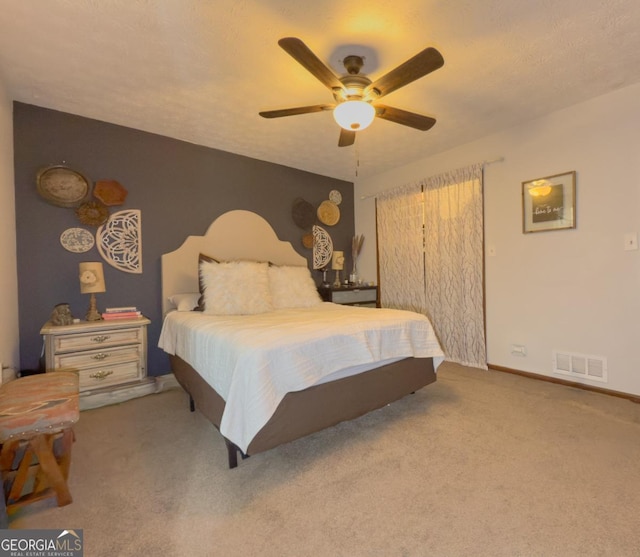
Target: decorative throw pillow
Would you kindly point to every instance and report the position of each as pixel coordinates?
(185, 302)
(292, 287)
(206, 258)
(235, 287)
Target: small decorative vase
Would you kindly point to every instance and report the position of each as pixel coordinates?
(325, 282)
(353, 277)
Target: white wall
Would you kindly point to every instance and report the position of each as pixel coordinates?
(9, 337)
(574, 290)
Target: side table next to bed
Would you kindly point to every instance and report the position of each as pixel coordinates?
(351, 295)
(110, 358)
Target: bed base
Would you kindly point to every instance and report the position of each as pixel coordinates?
(305, 412)
(232, 453)
(232, 449)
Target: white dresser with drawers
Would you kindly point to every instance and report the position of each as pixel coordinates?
(110, 358)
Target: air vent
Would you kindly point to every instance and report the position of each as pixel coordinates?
(580, 366)
(596, 368)
(563, 362)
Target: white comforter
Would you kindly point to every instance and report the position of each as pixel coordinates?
(253, 361)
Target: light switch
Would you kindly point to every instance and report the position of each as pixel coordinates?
(631, 241)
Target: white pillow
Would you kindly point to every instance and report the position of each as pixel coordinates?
(292, 287)
(185, 302)
(235, 287)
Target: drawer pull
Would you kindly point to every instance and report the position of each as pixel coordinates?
(100, 356)
(100, 374)
(101, 338)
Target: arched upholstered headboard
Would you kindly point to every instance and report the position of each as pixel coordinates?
(235, 235)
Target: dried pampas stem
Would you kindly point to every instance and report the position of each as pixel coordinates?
(356, 245)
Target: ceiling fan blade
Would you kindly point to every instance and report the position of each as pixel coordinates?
(303, 55)
(420, 65)
(347, 137)
(295, 111)
(411, 119)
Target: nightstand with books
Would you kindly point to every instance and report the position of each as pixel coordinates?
(109, 356)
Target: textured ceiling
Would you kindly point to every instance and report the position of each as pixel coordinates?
(201, 70)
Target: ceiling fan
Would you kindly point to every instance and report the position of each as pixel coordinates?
(356, 95)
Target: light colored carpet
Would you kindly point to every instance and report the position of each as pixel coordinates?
(480, 463)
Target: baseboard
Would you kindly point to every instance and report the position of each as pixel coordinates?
(8, 374)
(628, 396)
(122, 393)
(166, 382)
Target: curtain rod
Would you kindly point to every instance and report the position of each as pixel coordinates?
(484, 163)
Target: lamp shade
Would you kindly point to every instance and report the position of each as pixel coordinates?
(354, 115)
(337, 261)
(91, 278)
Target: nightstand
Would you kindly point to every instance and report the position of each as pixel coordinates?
(110, 358)
(351, 295)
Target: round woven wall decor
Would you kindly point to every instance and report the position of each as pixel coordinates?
(62, 186)
(328, 213)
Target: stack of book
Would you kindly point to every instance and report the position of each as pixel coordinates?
(126, 312)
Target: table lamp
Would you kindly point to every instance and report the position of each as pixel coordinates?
(337, 264)
(92, 282)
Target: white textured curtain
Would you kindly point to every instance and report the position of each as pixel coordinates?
(454, 268)
(400, 248)
(433, 231)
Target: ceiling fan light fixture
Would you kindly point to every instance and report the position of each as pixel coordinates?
(354, 115)
(355, 93)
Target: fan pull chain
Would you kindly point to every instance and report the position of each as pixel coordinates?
(357, 161)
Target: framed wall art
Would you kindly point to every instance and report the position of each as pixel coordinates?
(549, 203)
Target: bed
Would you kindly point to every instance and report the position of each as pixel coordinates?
(265, 376)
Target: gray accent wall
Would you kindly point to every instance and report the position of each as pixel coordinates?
(179, 187)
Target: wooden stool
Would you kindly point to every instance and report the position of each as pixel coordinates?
(36, 418)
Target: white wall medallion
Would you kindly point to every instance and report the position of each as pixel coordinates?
(335, 196)
(77, 240)
(119, 241)
(322, 248)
